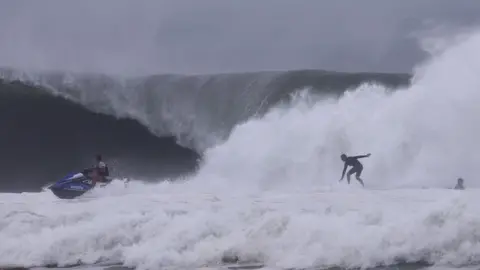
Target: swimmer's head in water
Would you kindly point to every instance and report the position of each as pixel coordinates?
(343, 157)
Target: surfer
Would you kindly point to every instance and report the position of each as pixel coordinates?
(100, 171)
(356, 169)
(459, 184)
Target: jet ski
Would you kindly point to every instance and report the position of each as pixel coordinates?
(74, 185)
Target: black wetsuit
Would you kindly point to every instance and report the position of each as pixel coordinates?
(356, 169)
(459, 186)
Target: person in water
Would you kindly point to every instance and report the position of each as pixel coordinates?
(356, 169)
(459, 184)
(100, 171)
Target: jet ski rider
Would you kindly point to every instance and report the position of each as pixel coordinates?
(100, 171)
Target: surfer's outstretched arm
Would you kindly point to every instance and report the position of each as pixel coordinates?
(362, 156)
(344, 170)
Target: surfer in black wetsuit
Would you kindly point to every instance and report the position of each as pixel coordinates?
(459, 184)
(356, 169)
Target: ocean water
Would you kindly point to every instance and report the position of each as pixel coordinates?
(265, 190)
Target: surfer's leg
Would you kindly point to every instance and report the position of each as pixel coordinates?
(350, 172)
(360, 180)
(357, 175)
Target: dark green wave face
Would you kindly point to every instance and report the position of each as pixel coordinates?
(44, 137)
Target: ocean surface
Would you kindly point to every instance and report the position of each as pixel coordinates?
(242, 170)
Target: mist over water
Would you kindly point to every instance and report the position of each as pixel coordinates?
(421, 136)
(214, 36)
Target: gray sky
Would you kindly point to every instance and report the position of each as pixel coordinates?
(212, 36)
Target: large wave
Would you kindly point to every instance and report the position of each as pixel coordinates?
(198, 110)
(51, 121)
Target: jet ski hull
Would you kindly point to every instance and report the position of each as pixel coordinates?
(67, 194)
(72, 186)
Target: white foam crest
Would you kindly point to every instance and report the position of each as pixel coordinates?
(426, 135)
(151, 230)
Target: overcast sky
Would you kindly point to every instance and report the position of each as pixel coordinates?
(212, 36)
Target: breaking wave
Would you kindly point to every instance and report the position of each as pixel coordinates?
(150, 127)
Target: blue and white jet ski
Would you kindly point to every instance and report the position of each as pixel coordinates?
(74, 185)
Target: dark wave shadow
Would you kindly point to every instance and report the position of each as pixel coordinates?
(43, 137)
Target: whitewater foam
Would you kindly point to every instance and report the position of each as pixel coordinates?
(158, 227)
(423, 135)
